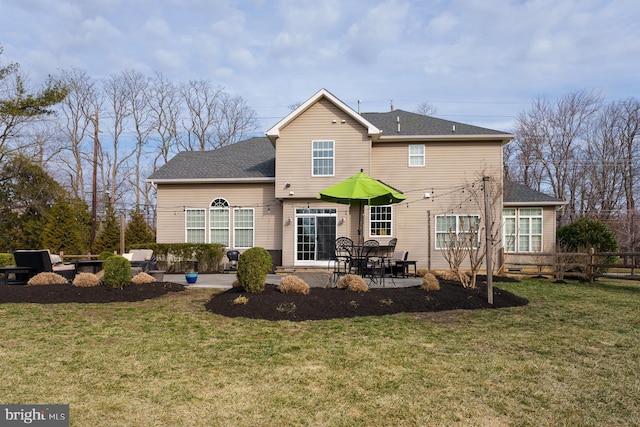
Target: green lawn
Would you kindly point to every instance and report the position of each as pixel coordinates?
(571, 357)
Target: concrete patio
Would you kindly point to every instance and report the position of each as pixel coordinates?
(314, 279)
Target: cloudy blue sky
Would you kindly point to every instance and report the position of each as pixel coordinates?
(477, 61)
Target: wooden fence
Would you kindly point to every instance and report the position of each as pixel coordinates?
(589, 265)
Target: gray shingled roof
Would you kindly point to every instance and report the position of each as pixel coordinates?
(519, 193)
(251, 158)
(418, 124)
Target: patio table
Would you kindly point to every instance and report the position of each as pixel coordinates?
(21, 275)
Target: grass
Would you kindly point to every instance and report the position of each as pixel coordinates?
(571, 357)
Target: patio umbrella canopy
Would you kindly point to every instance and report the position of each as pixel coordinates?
(360, 190)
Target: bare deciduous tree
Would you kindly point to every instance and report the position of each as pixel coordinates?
(78, 110)
(426, 109)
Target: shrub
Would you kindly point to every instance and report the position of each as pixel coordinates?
(117, 272)
(6, 259)
(241, 300)
(105, 255)
(422, 272)
(86, 280)
(141, 278)
(293, 285)
(353, 283)
(47, 278)
(430, 283)
(450, 276)
(588, 233)
(253, 266)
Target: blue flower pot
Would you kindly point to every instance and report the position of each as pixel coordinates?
(191, 277)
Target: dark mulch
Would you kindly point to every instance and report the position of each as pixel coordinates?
(323, 303)
(56, 294)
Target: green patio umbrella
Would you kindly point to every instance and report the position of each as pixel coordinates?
(360, 190)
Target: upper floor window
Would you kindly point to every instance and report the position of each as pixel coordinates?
(380, 220)
(219, 222)
(416, 155)
(195, 225)
(323, 158)
(522, 229)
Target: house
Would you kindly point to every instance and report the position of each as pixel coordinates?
(264, 191)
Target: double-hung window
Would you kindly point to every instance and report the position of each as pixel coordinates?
(522, 229)
(416, 155)
(219, 222)
(195, 225)
(323, 158)
(457, 230)
(243, 227)
(380, 220)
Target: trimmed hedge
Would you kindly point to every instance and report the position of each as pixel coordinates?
(174, 257)
(6, 260)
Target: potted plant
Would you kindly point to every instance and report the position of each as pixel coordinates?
(191, 271)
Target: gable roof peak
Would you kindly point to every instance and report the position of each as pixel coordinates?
(274, 132)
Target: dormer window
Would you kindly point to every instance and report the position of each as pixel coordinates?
(323, 158)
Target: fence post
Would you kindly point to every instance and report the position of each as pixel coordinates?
(592, 261)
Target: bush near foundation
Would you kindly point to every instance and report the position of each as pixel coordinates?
(117, 272)
(253, 266)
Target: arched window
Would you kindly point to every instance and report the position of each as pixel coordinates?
(219, 221)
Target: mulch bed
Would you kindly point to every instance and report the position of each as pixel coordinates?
(56, 294)
(323, 303)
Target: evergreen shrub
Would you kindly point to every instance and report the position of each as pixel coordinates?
(6, 260)
(117, 272)
(253, 266)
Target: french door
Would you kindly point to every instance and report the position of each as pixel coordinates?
(315, 236)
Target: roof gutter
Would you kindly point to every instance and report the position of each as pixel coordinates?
(505, 138)
(534, 203)
(209, 180)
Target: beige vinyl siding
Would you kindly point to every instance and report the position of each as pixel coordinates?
(174, 198)
(293, 150)
(448, 166)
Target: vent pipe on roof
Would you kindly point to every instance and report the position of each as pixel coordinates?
(398, 121)
(453, 129)
(391, 105)
(359, 102)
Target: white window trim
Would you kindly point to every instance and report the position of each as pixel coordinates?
(391, 233)
(458, 230)
(410, 156)
(186, 228)
(212, 208)
(333, 157)
(516, 243)
(253, 227)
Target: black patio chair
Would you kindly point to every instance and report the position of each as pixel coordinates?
(342, 257)
(40, 261)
